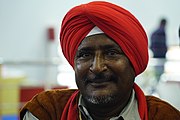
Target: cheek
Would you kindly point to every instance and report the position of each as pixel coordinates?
(79, 66)
(124, 70)
(81, 69)
(119, 66)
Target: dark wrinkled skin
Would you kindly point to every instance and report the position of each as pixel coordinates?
(104, 76)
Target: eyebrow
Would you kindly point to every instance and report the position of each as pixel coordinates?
(85, 49)
(101, 47)
(110, 46)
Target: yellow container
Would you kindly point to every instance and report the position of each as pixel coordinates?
(9, 95)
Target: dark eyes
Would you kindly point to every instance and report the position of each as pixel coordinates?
(112, 52)
(107, 54)
(84, 55)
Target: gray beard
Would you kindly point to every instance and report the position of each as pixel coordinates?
(100, 100)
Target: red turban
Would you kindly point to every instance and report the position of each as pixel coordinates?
(116, 22)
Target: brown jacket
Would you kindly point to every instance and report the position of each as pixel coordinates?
(49, 105)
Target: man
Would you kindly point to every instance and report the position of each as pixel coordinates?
(159, 47)
(107, 48)
(158, 40)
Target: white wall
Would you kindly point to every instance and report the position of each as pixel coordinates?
(24, 23)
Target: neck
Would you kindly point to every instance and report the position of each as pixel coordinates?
(107, 111)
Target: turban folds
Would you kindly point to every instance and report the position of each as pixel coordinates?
(116, 22)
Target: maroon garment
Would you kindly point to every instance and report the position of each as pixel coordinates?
(70, 111)
(49, 105)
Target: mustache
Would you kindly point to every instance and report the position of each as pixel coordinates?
(101, 77)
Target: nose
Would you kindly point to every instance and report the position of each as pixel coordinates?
(98, 64)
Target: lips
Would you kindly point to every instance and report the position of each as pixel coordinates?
(100, 79)
(98, 83)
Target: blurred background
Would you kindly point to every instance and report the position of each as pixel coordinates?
(31, 60)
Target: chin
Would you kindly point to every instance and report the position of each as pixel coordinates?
(100, 100)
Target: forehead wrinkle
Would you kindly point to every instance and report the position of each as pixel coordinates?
(101, 47)
(87, 42)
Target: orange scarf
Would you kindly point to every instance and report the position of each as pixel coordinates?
(71, 109)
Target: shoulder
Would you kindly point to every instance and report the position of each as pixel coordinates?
(55, 94)
(52, 101)
(159, 109)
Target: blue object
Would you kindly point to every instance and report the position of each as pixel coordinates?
(9, 117)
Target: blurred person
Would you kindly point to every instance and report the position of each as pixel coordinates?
(158, 40)
(159, 47)
(107, 48)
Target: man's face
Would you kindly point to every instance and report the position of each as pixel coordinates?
(103, 72)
